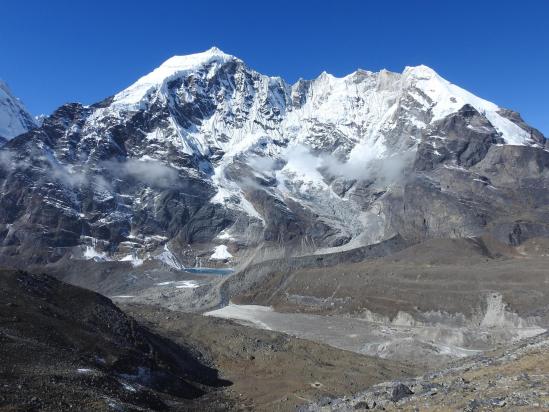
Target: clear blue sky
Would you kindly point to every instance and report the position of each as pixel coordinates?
(52, 52)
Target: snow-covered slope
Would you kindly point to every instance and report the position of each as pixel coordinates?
(447, 98)
(14, 118)
(364, 115)
(205, 151)
(361, 106)
(136, 95)
(359, 118)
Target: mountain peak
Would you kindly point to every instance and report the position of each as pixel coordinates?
(421, 71)
(131, 98)
(192, 61)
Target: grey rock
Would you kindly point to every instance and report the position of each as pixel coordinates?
(400, 392)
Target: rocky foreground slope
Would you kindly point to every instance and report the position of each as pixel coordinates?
(65, 348)
(513, 379)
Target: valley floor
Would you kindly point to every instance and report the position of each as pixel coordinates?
(273, 371)
(351, 336)
(270, 371)
(424, 346)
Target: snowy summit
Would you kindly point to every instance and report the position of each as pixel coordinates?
(132, 97)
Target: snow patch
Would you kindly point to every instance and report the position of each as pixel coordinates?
(128, 387)
(187, 284)
(181, 284)
(92, 254)
(221, 253)
(169, 259)
(134, 260)
(224, 235)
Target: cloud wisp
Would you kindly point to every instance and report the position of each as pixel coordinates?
(149, 172)
(363, 163)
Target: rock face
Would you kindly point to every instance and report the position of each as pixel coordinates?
(14, 117)
(205, 151)
(400, 391)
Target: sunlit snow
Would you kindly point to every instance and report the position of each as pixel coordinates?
(221, 253)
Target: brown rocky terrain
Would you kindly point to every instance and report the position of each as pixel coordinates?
(65, 348)
(270, 371)
(450, 275)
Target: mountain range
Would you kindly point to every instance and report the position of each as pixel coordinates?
(205, 161)
(353, 231)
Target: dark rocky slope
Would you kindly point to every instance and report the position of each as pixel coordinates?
(64, 348)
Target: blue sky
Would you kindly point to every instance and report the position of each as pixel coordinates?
(53, 52)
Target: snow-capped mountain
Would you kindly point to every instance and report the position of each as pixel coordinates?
(14, 117)
(205, 152)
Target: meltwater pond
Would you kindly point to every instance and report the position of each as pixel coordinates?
(210, 271)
